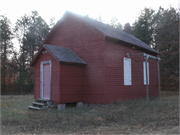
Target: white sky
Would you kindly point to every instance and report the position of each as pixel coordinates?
(124, 10)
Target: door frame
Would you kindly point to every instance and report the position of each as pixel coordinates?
(41, 77)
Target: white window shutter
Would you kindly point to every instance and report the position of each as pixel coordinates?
(127, 71)
(144, 68)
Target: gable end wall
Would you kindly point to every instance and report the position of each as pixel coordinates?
(88, 44)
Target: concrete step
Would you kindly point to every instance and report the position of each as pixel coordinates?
(34, 108)
(45, 101)
(40, 99)
(40, 104)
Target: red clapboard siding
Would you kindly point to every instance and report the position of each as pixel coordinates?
(88, 44)
(71, 98)
(71, 80)
(115, 88)
(94, 99)
(93, 90)
(71, 90)
(71, 83)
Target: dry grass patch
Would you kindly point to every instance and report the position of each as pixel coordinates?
(133, 116)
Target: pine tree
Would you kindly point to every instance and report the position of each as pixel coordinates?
(167, 43)
(143, 27)
(6, 45)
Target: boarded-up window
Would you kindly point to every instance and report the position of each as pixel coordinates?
(127, 71)
(144, 67)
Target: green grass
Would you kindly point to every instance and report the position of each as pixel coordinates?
(133, 116)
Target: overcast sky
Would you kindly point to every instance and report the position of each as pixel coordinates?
(124, 10)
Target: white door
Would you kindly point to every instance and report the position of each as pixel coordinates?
(45, 78)
(46, 81)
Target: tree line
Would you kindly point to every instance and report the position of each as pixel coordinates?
(158, 29)
(29, 31)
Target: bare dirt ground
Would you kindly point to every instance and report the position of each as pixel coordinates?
(125, 117)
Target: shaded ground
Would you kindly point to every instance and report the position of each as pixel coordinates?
(125, 117)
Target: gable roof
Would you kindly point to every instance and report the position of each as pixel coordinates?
(61, 54)
(112, 32)
(64, 54)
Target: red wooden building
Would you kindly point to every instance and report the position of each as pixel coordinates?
(83, 60)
